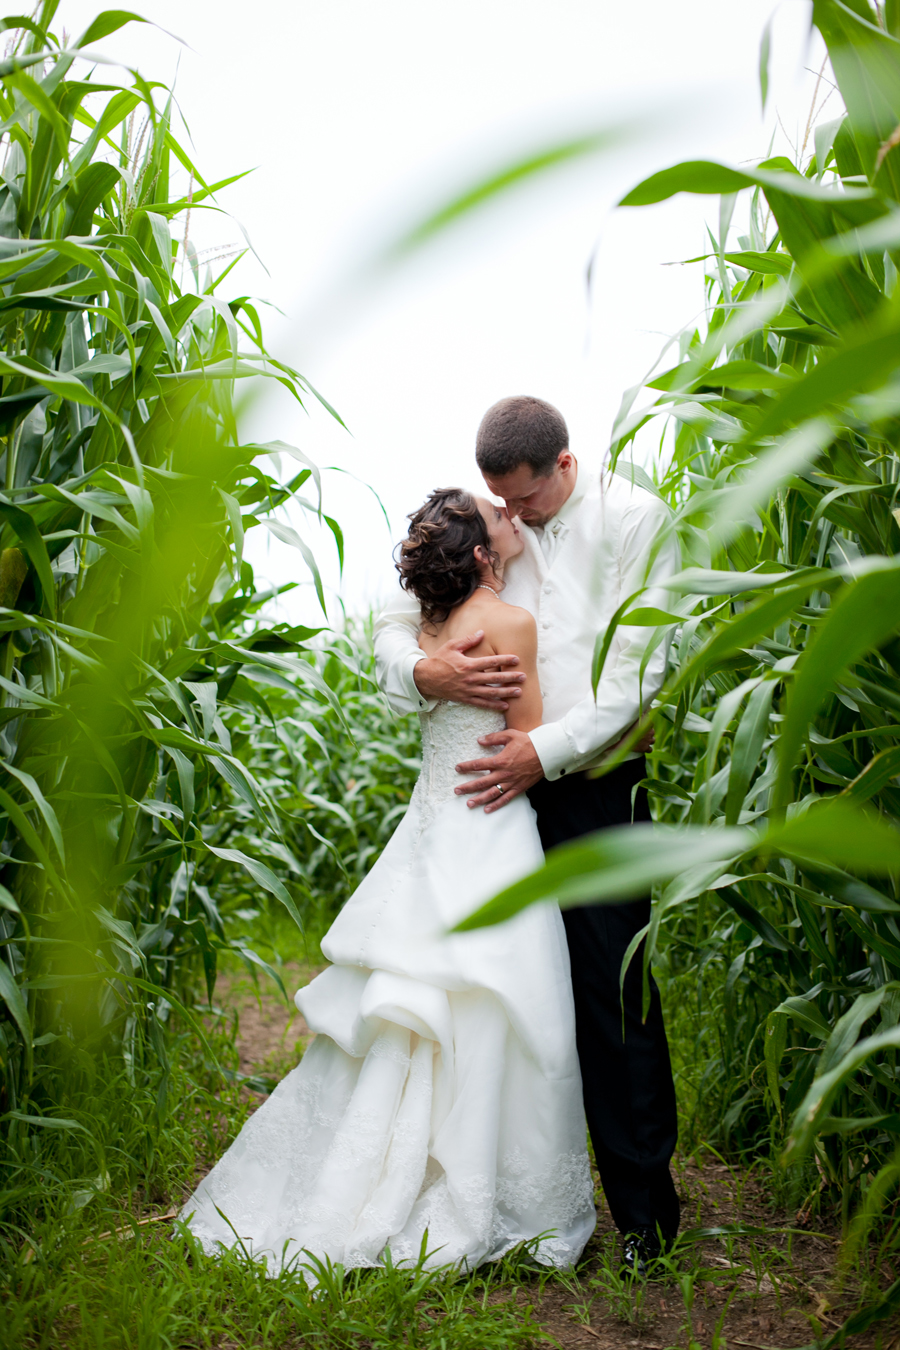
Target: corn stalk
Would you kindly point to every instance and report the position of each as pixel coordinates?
(130, 643)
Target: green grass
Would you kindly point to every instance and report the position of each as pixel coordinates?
(79, 1270)
(145, 1290)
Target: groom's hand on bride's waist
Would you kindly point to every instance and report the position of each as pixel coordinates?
(483, 681)
(514, 770)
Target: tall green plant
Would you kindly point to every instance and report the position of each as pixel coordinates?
(126, 609)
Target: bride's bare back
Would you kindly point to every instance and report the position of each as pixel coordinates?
(507, 629)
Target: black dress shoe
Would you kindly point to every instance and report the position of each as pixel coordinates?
(639, 1250)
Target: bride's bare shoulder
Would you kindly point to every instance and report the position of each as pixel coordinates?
(510, 627)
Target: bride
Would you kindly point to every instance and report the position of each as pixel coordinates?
(441, 1097)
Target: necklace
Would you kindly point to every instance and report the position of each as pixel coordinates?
(483, 587)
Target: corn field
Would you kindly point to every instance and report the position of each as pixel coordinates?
(134, 668)
(176, 771)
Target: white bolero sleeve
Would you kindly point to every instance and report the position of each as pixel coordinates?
(397, 652)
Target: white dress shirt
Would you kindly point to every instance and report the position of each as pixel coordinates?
(609, 539)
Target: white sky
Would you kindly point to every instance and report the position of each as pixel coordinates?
(359, 117)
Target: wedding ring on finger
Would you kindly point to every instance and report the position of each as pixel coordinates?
(500, 788)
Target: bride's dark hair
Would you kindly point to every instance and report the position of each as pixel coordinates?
(437, 559)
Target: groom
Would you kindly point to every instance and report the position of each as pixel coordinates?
(590, 543)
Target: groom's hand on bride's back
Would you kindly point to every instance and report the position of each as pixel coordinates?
(450, 674)
(505, 775)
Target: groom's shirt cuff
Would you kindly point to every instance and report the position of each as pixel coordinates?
(552, 748)
(413, 693)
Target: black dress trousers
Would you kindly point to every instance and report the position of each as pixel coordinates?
(629, 1096)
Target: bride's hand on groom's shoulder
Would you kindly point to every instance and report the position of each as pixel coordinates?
(482, 681)
(513, 771)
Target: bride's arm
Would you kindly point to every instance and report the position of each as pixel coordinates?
(514, 630)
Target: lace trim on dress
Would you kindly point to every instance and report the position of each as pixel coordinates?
(449, 734)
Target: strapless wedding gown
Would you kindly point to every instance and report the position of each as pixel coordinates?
(442, 1090)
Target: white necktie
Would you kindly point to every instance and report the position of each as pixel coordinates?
(549, 536)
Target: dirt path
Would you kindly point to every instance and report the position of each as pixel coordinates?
(272, 1034)
(772, 1291)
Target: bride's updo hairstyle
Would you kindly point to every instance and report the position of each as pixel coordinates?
(437, 559)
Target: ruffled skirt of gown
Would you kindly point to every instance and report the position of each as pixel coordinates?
(442, 1091)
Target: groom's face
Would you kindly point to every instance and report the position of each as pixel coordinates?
(532, 498)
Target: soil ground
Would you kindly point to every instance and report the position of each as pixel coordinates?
(773, 1291)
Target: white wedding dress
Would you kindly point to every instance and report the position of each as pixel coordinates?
(442, 1091)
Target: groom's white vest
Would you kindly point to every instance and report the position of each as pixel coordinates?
(608, 541)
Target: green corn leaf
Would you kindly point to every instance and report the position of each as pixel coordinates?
(765, 47)
(91, 185)
(338, 534)
(185, 770)
(706, 177)
(725, 711)
(206, 696)
(244, 784)
(29, 88)
(752, 917)
(626, 861)
(809, 921)
(8, 901)
(840, 887)
(250, 957)
(708, 581)
(604, 640)
(611, 865)
(817, 1102)
(847, 1029)
(262, 875)
(865, 62)
(863, 616)
(12, 997)
(699, 176)
(15, 21)
(109, 21)
(770, 264)
(232, 506)
(634, 474)
(659, 787)
(46, 810)
(30, 836)
(736, 505)
(748, 742)
(864, 362)
(856, 1124)
(511, 176)
(742, 375)
(873, 940)
(287, 535)
(742, 630)
(838, 832)
(650, 618)
(776, 1041)
(806, 1013)
(881, 770)
(33, 544)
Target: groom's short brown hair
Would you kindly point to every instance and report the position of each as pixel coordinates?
(520, 430)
